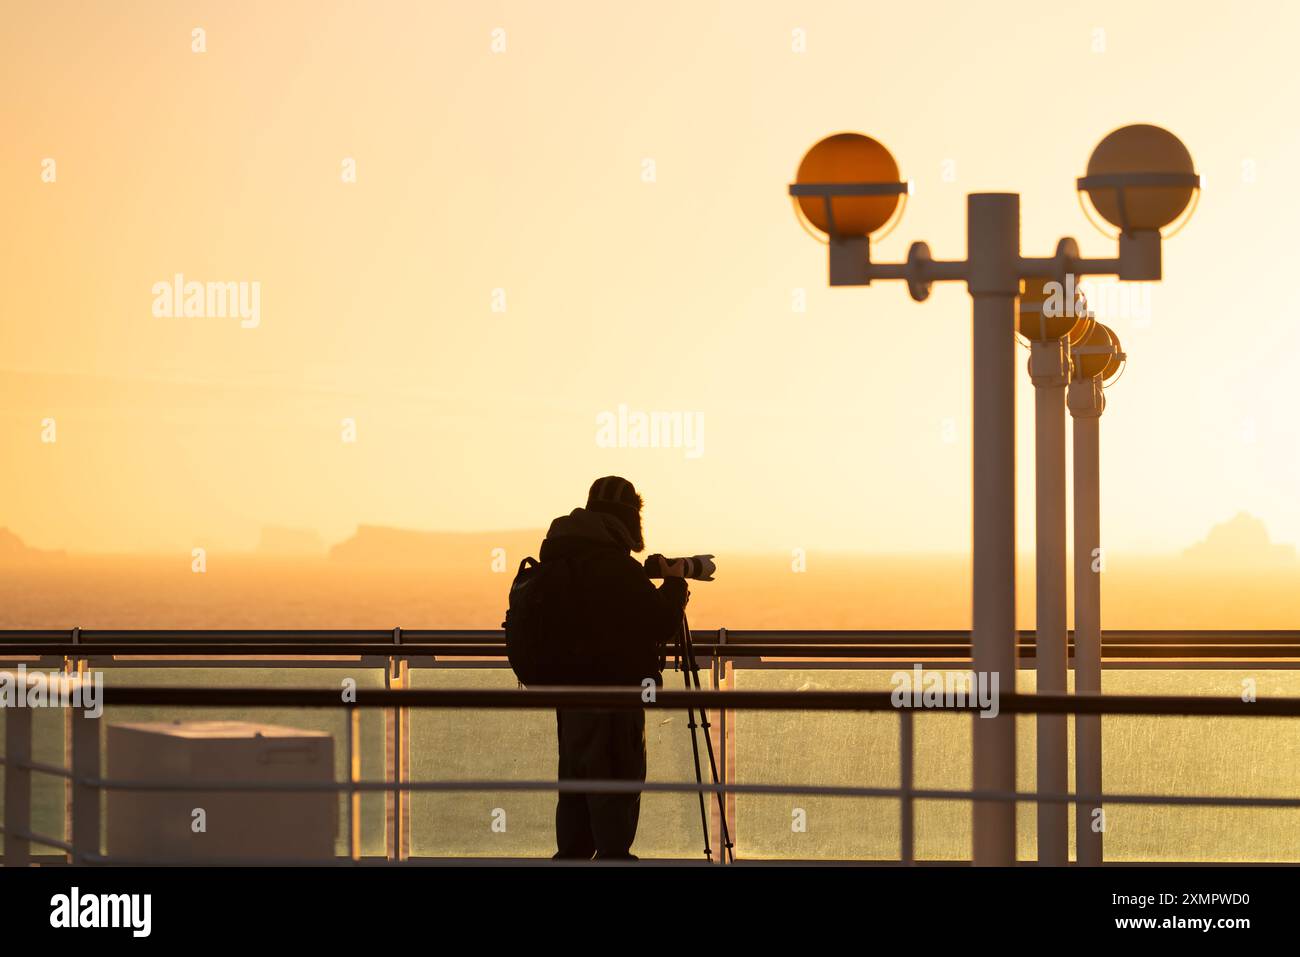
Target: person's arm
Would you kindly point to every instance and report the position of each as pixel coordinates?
(676, 593)
(650, 615)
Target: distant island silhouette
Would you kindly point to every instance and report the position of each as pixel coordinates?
(382, 545)
(1242, 540)
(1235, 578)
(13, 550)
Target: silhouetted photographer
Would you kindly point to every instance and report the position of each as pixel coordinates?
(588, 614)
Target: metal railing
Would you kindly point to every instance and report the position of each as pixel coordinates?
(1121, 648)
(459, 649)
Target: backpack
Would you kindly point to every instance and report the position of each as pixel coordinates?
(544, 622)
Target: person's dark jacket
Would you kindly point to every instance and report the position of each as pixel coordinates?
(627, 620)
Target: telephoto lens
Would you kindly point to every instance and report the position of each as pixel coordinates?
(698, 567)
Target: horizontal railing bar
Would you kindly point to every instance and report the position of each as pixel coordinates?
(688, 787)
(272, 649)
(963, 652)
(735, 636)
(497, 661)
(85, 636)
(377, 861)
(1023, 636)
(421, 662)
(631, 699)
(893, 651)
(644, 862)
(39, 839)
(54, 769)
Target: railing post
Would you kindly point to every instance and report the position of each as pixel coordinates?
(906, 821)
(725, 676)
(354, 775)
(718, 733)
(70, 666)
(18, 786)
(85, 787)
(397, 764)
(392, 812)
(404, 769)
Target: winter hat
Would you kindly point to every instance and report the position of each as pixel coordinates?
(617, 496)
(615, 490)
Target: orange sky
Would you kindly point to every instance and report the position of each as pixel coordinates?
(845, 426)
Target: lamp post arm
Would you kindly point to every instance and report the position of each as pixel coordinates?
(919, 271)
(1051, 267)
(1138, 260)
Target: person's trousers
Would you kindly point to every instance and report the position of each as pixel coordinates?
(599, 745)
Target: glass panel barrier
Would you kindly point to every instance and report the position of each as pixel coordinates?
(332, 720)
(521, 745)
(1154, 755)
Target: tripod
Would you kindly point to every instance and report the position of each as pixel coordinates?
(690, 669)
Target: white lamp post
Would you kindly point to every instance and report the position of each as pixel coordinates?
(848, 188)
(1097, 358)
(1049, 332)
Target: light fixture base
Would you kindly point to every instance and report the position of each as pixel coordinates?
(850, 260)
(1085, 398)
(1139, 255)
(1049, 363)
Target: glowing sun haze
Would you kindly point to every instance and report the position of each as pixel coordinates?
(588, 211)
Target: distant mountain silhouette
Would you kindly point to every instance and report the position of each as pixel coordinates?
(282, 542)
(380, 545)
(1242, 540)
(13, 549)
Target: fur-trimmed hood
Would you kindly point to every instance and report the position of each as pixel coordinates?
(591, 526)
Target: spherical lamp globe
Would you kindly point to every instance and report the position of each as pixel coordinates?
(849, 158)
(1042, 313)
(1140, 177)
(1097, 353)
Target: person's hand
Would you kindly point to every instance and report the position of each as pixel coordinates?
(673, 569)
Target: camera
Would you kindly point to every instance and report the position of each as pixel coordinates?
(698, 567)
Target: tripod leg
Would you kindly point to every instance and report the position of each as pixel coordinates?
(728, 849)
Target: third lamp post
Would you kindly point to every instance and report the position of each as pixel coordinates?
(1097, 358)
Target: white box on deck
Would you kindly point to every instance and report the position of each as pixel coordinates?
(247, 825)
